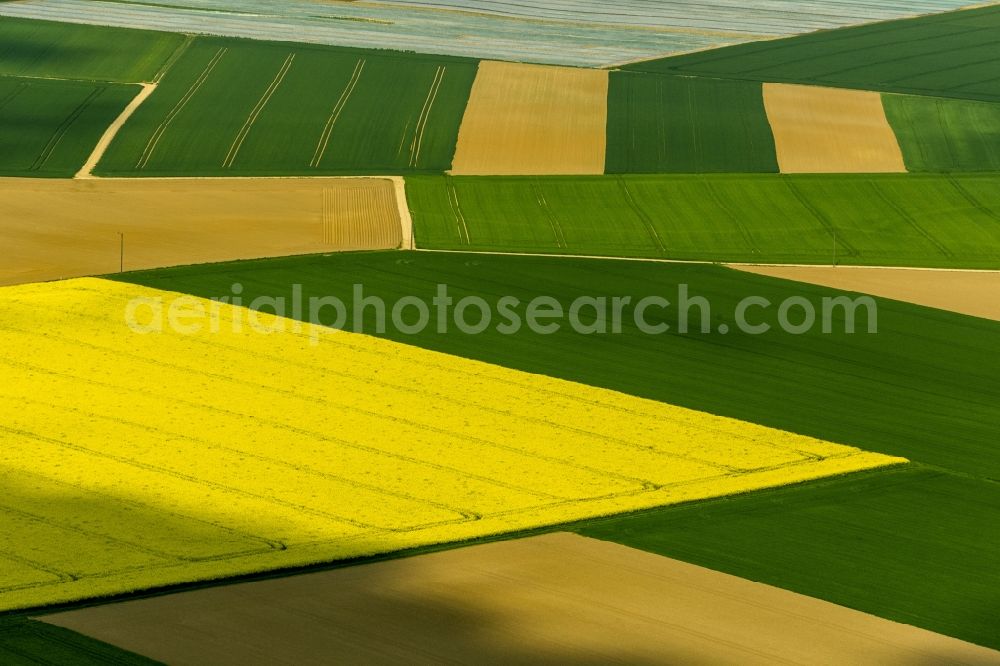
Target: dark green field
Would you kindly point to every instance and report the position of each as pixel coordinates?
(92, 53)
(894, 220)
(674, 124)
(49, 127)
(26, 642)
(231, 106)
(950, 55)
(925, 373)
(945, 135)
(926, 387)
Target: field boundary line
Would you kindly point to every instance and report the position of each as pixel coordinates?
(244, 132)
(181, 103)
(425, 113)
(338, 108)
(696, 262)
(87, 170)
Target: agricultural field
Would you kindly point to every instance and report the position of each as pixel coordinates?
(348, 445)
(450, 307)
(941, 368)
(825, 130)
(926, 372)
(967, 292)
(521, 592)
(895, 220)
(533, 119)
(945, 135)
(48, 128)
(45, 49)
(944, 55)
(254, 92)
(865, 542)
(674, 124)
(91, 226)
(550, 31)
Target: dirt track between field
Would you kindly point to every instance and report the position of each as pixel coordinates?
(975, 293)
(53, 229)
(534, 120)
(557, 598)
(829, 130)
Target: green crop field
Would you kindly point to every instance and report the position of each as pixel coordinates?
(94, 53)
(230, 106)
(927, 387)
(910, 544)
(945, 135)
(49, 127)
(943, 374)
(951, 55)
(865, 220)
(674, 124)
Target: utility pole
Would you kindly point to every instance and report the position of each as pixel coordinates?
(121, 252)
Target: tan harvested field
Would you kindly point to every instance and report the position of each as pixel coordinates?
(975, 293)
(557, 598)
(829, 130)
(52, 229)
(534, 119)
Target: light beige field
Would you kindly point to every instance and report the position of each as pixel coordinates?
(975, 293)
(52, 229)
(829, 130)
(558, 598)
(534, 119)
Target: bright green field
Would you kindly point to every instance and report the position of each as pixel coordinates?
(674, 124)
(927, 387)
(952, 54)
(865, 220)
(49, 127)
(945, 135)
(71, 51)
(230, 106)
(910, 544)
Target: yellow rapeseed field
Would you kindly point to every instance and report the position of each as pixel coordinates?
(133, 460)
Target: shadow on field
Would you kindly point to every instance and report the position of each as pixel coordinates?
(428, 609)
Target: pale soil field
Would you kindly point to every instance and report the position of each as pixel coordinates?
(249, 442)
(975, 293)
(829, 130)
(557, 598)
(533, 119)
(53, 229)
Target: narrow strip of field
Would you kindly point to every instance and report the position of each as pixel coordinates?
(533, 119)
(828, 219)
(968, 292)
(56, 229)
(554, 598)
(348, 445)
(827, 130)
